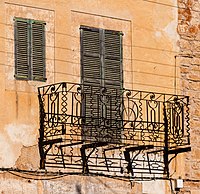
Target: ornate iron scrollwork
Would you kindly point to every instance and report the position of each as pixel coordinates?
(126, 133)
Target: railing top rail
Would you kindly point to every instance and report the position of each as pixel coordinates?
(130, 93)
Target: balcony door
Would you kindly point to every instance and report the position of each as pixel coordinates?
(102, 79)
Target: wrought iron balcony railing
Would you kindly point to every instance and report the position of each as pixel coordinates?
(123, 133)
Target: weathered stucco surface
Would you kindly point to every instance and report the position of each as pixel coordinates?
(156, 34)
(20, 110)
(71, 185)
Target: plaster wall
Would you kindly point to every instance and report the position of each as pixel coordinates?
(149, 49)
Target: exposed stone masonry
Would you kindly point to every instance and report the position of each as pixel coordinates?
(189, 31)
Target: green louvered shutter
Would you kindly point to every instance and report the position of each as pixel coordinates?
(38, 51)
(91, 76)
(90, 51)
(113, 59)
(29, 49)
(113, 80)
(101, 67)
(22, 38)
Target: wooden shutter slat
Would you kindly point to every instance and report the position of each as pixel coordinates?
(113, 80)
(91, 73)
(113, 59)
(29, 49)
(21, 49)
(112, 70)
(90, 107)
(91, 64)
(91, 67)
(90, 43)
(38, 51)
(112, 45)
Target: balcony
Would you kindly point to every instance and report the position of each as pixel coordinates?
(112, 132)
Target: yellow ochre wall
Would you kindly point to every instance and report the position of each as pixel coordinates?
(151, 46)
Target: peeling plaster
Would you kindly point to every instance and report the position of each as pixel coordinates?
(21, 133)
(165, 29)
(7, 156)
(12, 139)
(171, 29)
(171, 32)
(29, 158)
(153, 187)
(158, 34)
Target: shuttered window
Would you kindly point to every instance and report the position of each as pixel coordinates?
(29, 49)
(101, 67)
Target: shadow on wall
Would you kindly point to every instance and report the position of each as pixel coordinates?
(78, 189)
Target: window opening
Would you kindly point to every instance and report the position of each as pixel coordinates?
(29, 49)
